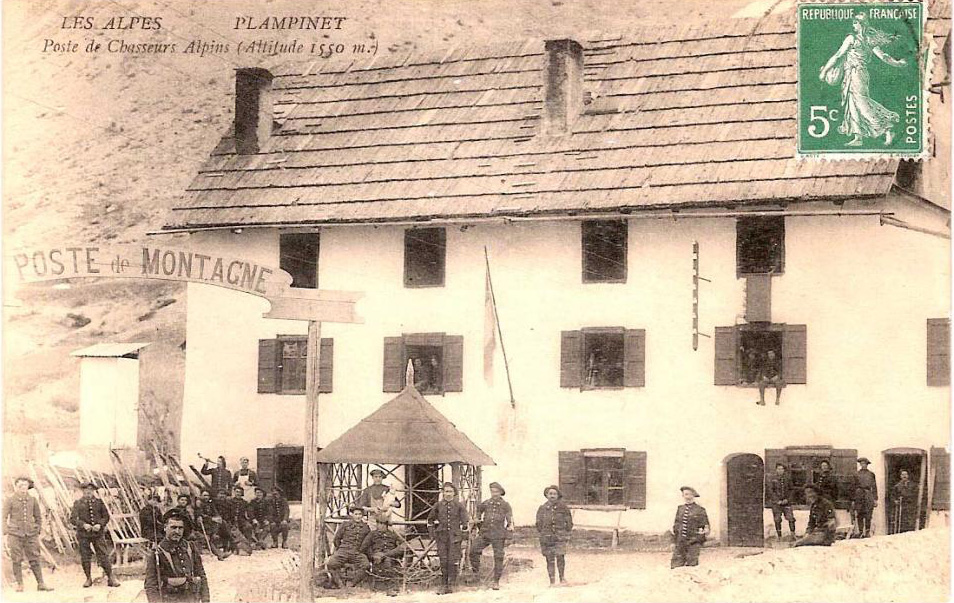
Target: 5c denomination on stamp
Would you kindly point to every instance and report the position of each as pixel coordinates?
(861, 77)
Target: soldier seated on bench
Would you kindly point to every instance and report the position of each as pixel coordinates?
(385, 549)
(348, 541)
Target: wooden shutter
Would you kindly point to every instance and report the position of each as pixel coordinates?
(938, 351)
(393, 364)
(726, 356)
(453, 363)
(571, 359)
(326, 361)
(941, 468)
(634, 472)
(268, 360)
(265, 468)
(794, 353)
(844, 464)
(571, 476)
(634, 358)
(772, 456)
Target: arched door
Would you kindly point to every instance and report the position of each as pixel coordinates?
(745, 480)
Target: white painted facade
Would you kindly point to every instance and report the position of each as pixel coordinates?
(109, 402)
(864, 291)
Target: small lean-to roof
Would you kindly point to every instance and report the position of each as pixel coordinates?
(689, 116)
(405, 431)
(109, 350)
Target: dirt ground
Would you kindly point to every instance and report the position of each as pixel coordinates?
(906, 567)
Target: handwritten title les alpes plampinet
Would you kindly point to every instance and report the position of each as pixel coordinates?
(246, 22)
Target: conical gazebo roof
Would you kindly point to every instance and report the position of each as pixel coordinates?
(407, 430)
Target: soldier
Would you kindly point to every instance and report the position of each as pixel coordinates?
(150, 519)
(174, 570)
(90, 516)
(278, 516)
(258, 514)
(495, 520)
(384, 548)
(348, 540)
(447, 523)
(827, 485)
(184, 509)
(209, 524)
(865, 497)
(779, 493)
(904, 496)
(770, 374)
(821, 520)
(221, 477)
(377, 499)
(690, 528)
(22, 521)
(554, 523)
(245, 477)
(235, 513)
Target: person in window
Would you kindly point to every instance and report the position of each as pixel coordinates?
(821, 520)
(690, 528)
(770, 374)
(422, 376)
(750, 366)
(826, 483)
(904, 498)
(447, 524)
(865, 497)
(554, 523)
(436, 374)
(779, 494)
(221, 476)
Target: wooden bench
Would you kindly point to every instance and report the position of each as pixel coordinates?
(615, 515)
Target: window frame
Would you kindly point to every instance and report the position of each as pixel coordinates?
(624, 251)
(408, 234)
(614, 453)
(572, 478)
(285, 235)
(755, 328)
(450, 355)
(591, 331)
(743, 222)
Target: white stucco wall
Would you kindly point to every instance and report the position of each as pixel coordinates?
(109, 402)
(864, 291)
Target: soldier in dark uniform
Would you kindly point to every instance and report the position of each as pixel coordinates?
(779, 494)
(150, 519)
(770, 374)
(821, 520)
(348, 540)
(904, 498)
(385, 549)
(690, 528)
(826, 482)
(554, 523)
(90, 516)
(258, 515)
(239, 513)
(22, 521)
(210, 524)
(221, 477)
(447, 523)
(174, 570)
(184, 509)
(278, 516)
(865, 497)
(494, 519)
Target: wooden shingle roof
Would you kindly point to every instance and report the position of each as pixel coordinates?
(703, 115)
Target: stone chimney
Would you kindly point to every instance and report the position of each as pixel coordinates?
(563, 86)
(253, 109)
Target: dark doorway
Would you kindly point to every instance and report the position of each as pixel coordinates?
(745, 485)
(281, 466)
(906, 506)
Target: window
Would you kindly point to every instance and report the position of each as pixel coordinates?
(603, 477)
(742, 351)
(282, 365)
(298, 256)
(941, 466)
(437, 360)
(760, 245)
(804, 464)
(603, 357)
(604, 251)
(938, 351)
(424, 256)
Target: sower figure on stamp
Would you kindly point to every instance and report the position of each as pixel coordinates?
(278, 512)
(779, 494)
(90, 516)
(821, 520)
(554, 523)
(690, 528)
(447, 523)
(385, 549)
(494, 520)
(865, 497)
(22, 522)
(348, 540)
(174, 570)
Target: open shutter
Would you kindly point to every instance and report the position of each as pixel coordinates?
(938, 351)
(265, 468)
(393, 364)
(634, 470)
(726, 356)
(326, 361)
(941, 468)
(772, 456)
(453, 363)
(571, 476)
(571, 359)
(844, 464)
(268, 361)
(794, 351)
(634, 358)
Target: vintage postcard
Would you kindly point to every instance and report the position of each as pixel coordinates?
(509, 300)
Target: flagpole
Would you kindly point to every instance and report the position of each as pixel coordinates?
(503, 348)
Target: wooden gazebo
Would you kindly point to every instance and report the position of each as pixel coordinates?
(419, 449)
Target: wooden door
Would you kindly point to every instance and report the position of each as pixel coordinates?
(745, 475)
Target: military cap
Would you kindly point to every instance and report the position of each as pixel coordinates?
(260, 489)
(377, 472)
(864, 460)
(88, 486)
(552, 487)
(26, 479)
(813, 488)
(689, 489)
(238, 488)
(354, 508)
(499, 487)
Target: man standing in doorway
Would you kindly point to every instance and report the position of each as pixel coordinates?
(690, 528)
(89, 517)
(865, 498)
(779, 493)
(904, 497)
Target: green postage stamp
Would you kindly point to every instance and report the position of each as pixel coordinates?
(861, 79)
